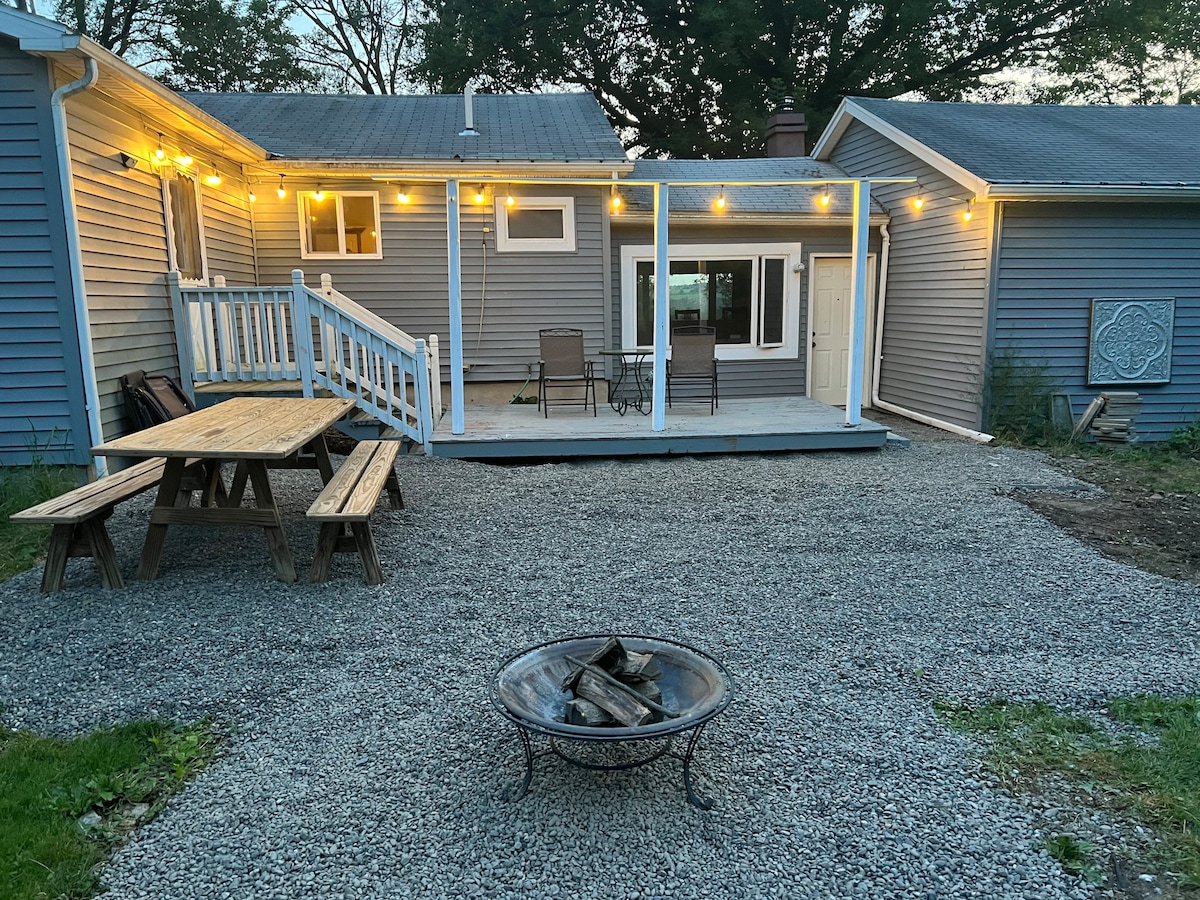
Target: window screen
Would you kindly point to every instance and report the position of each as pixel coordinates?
(771, 318)
(535, 224)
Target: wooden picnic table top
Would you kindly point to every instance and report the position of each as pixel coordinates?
(241, 428)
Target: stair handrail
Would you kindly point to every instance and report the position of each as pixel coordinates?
(371, 346)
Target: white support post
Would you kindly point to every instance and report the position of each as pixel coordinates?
(302, 323)
(858, 302)
(458, 423)
(662, 281)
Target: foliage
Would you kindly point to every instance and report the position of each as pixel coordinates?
(1145, 764)
(228, 45)
(699, 79)
(363, 45)
(122, 26)
(1185, 441)
(22, 545)
(1076, 856)
(1018, 396)
(48, 784)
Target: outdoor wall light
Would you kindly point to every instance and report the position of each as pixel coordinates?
(279, 191)
(129, 162)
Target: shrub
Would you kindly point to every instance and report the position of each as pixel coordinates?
(1018, 393)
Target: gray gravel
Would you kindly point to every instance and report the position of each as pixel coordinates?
(365, 760)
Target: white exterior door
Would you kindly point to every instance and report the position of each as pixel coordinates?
(829, 330)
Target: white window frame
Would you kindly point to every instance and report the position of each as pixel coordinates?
(565, 244)
(632, 254)
(336, 198)
(168, 216)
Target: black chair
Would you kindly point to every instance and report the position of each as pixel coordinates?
(562, 366)
(694, 361)
(153, 399)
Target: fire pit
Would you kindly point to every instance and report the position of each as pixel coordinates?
(529, 691)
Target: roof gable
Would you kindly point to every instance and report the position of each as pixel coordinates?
(524, 127)
(1043, 144)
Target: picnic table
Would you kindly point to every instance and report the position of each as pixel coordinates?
(257, 433)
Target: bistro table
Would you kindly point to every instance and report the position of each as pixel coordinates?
(255, 432)
(629, 382)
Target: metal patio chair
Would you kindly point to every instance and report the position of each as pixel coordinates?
(562, 366)
(694, 361)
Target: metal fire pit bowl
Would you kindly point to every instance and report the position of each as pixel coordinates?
(527, 691)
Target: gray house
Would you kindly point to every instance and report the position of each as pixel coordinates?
(1081, 252)
(142, 228)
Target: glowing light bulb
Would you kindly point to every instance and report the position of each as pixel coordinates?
(721, 201)
(404, 197)
(510, 200)
(279, 191)
(616, 201)
(918, 203)
(253, 198)
(160, 155)
(967, 216)
(213, 179)
(824, 199)
(319, 194)
(185, 160)
(479, 195)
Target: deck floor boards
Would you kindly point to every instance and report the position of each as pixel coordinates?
(739, 425)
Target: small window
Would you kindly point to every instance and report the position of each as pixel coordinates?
(185, 227)
(342, 223)
(535, 224)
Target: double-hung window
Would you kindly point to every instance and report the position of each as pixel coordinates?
(748, 293)
(335, 224)
(185, 226)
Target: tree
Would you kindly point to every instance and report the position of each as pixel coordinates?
(215, 45)
(699, 77)
(122, 26)
(366, 45)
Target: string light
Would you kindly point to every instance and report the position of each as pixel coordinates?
(615, 199)
(509, 200)
(480, 197)
(280, 192)
(403, 196)
(319, 194)
(721, 200)
(160, 155)
(967, 212)
(918, 203)
(253, 197)
(825, 199)
(185, 159)
(213, 179)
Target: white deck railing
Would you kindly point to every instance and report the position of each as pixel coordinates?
(321, 338)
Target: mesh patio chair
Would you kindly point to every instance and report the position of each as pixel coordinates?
(694, 361)
(563, 367)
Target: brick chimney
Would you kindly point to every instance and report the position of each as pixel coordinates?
(786, 130)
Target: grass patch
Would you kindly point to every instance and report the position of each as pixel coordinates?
(1146, 765)
(1155, 468)
(113, 780)
(23, 545)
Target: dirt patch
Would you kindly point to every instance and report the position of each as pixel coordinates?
(1132, 522)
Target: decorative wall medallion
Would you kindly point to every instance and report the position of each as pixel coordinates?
(1131, 341)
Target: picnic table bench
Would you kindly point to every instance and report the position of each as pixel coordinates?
(348, 500)
(78, 518)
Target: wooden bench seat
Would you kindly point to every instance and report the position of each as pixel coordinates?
(78, 519)
(348, 500)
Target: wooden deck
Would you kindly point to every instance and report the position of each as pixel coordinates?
(748, 425)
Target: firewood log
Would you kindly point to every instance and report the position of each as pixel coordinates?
(624, 707)
(585, 712)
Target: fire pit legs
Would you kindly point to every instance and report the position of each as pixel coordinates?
(667, 749)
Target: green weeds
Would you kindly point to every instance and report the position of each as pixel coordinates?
(65, 803)
(22, 545)
(1144, 765)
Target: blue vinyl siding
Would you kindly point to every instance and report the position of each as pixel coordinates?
(41, 394)
(1054, 258)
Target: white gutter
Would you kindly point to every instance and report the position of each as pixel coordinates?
(1091, 192)
(83, 327)
(892, 407)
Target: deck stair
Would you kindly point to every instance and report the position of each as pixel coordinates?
(299, 341)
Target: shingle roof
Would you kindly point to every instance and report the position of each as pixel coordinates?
(1044, 144)
(794, 199)
(511, 127)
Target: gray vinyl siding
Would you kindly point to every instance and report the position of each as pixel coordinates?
(409, 285)
(743, 378)
(1054, 258)
(937, 282)
(123, 243)
(41, 391)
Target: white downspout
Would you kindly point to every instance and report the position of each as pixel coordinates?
(892, 407)
(62, 146)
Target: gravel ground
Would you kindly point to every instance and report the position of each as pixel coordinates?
(844, 591)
